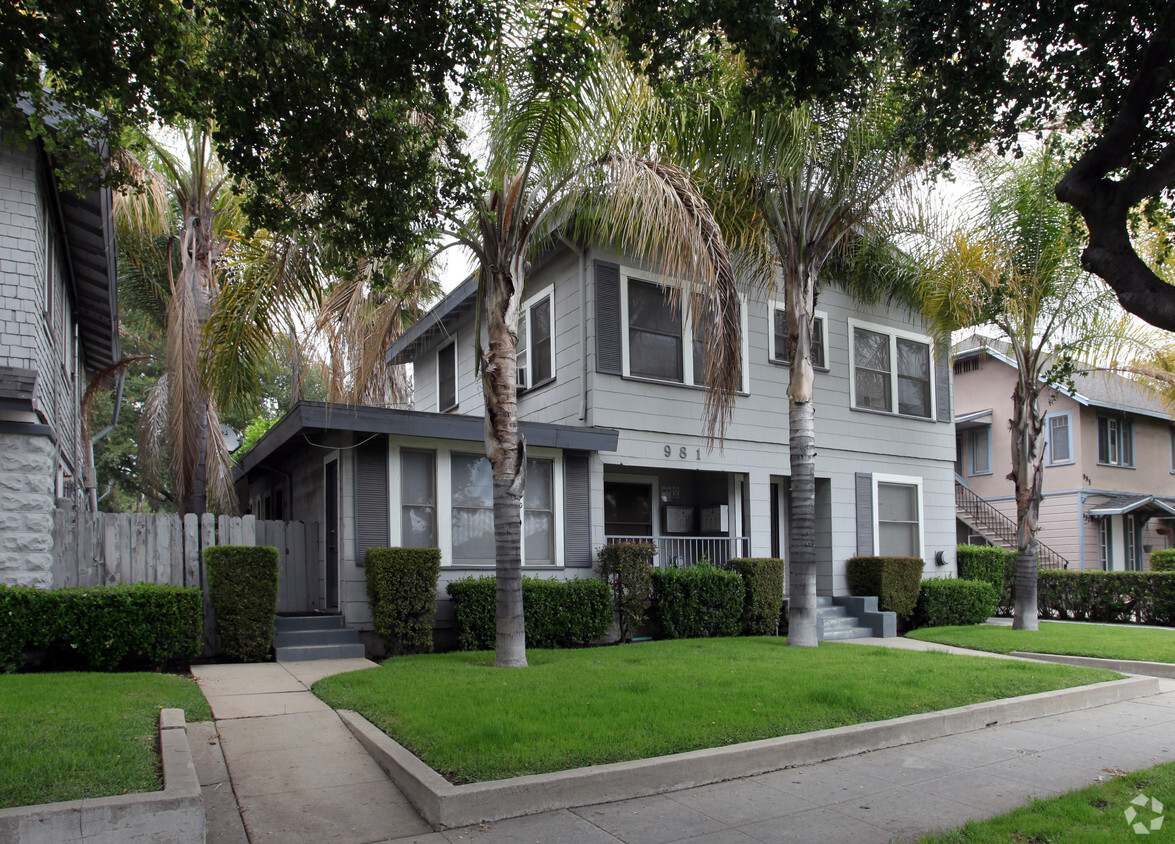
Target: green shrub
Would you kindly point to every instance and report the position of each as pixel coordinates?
(1163, 559)
(763, 579)
(557, 613)
(948, 601)
(242, 582)
(104, 624)
(1119, 597)
(988, 563)
(894, 580)
(698, 601)
(627, 567)
(402, 588)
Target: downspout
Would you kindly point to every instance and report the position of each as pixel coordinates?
(583, 376)
(91, 469)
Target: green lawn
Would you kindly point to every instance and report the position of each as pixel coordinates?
(1119, 641)
(571, 708)
(1094, 814)
(72, 735)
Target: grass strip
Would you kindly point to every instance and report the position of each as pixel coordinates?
(1105, 641)
(72, 735)
(472, 722)
(1094, 814)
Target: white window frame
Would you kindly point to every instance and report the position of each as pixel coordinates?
(1123, 424)
(1105, 544)
(526, 317)
(687, 334)
(971, 437)
(894, 334)
(456, 381)
(776, 356)
(444, 492)
(903, 480)
(1048, 435)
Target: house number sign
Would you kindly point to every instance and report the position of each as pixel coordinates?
(682, 452)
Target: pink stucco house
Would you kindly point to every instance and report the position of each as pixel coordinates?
(1109, 476)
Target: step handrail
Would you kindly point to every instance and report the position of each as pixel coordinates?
(987, 516)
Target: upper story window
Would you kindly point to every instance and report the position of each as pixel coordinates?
(891, 369)
(536, 346)
(777, 339)
(981, 451)
(447, 377)
(659, 341)
(1059, 434)
(1115, 441)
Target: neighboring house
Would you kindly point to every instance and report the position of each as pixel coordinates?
(611, 408)
(58, 325)
(1109, 461)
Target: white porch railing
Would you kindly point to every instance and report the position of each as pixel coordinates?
(685, 551)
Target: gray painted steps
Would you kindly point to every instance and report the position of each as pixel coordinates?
(306, 637)
(846, 617)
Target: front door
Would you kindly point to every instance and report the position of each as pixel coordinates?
(331, 522)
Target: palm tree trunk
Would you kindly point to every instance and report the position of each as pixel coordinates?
(1027, 475)
(507, 454)
(799, 281)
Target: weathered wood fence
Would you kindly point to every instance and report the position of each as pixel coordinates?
(94, 549)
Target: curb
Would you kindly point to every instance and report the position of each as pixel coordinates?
(444, 805)
(1122, 666)
(175, 814)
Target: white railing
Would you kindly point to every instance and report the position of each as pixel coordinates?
(685, 551)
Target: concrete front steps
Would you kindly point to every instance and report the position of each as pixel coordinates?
(302, 637)
(849, 617)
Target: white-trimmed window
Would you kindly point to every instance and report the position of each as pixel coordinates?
(1115, 441)
(893, 371)
(472, 485)
(418, 498)
(538, 513)
(777, 337)
(981, 451)
(1058, 429)
(447, 377)
(658, 339)
(897, 516)
(536, 341)
(1105, 542)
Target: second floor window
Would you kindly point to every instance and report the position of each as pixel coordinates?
(891, 371)
(779, 336)
(1115, 441)
(447, 377)
(536, 347)
(981, 452)
(1060, 443)
(655, 343)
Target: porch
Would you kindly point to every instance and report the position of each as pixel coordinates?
(685, 551)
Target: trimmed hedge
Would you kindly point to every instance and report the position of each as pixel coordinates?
(1163, 559)
(627, 567)
(558, 613)
(949, 601)
(242, 583)
(1119, 597)
(988, 563)
(402, 588)
(104, 625)
(699, 601)
(894, 580)
(763, 579)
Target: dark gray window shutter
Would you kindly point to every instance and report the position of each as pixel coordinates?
(608, 328)
(371, 496)
(942, 383)
(864, 514)
(577, 518)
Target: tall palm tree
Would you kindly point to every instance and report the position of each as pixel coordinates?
(564, 124)
(1014, 266)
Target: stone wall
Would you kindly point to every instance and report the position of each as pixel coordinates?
(26, 510)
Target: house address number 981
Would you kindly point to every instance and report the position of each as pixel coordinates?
(683, 453)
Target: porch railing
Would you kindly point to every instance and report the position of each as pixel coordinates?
(990, 521)
(685, 551)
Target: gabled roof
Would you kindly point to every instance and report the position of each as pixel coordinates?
(1106, 390)
(1120, 505)
(439, 322)
(319, 416)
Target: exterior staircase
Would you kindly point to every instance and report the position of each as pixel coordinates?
(849, 617)
(997, 528)
(302, 637)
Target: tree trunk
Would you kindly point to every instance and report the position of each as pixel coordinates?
(1027, 475)
(507, 454)
(799, 282)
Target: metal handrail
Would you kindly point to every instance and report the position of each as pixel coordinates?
(987, 516)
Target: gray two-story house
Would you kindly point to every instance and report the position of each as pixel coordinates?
(611, 404)
(58, 326)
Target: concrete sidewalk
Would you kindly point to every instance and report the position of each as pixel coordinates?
(299, 776)
(284, 759)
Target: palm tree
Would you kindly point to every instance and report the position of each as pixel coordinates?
(1015, 266)
(563, 157)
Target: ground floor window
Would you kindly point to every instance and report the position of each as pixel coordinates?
(897, 516)
(1105, 554)
(628, 509)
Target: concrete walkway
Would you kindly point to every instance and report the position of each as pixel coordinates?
(299, 776)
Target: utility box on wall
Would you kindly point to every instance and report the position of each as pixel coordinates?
(716, 519)
(678, 519)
